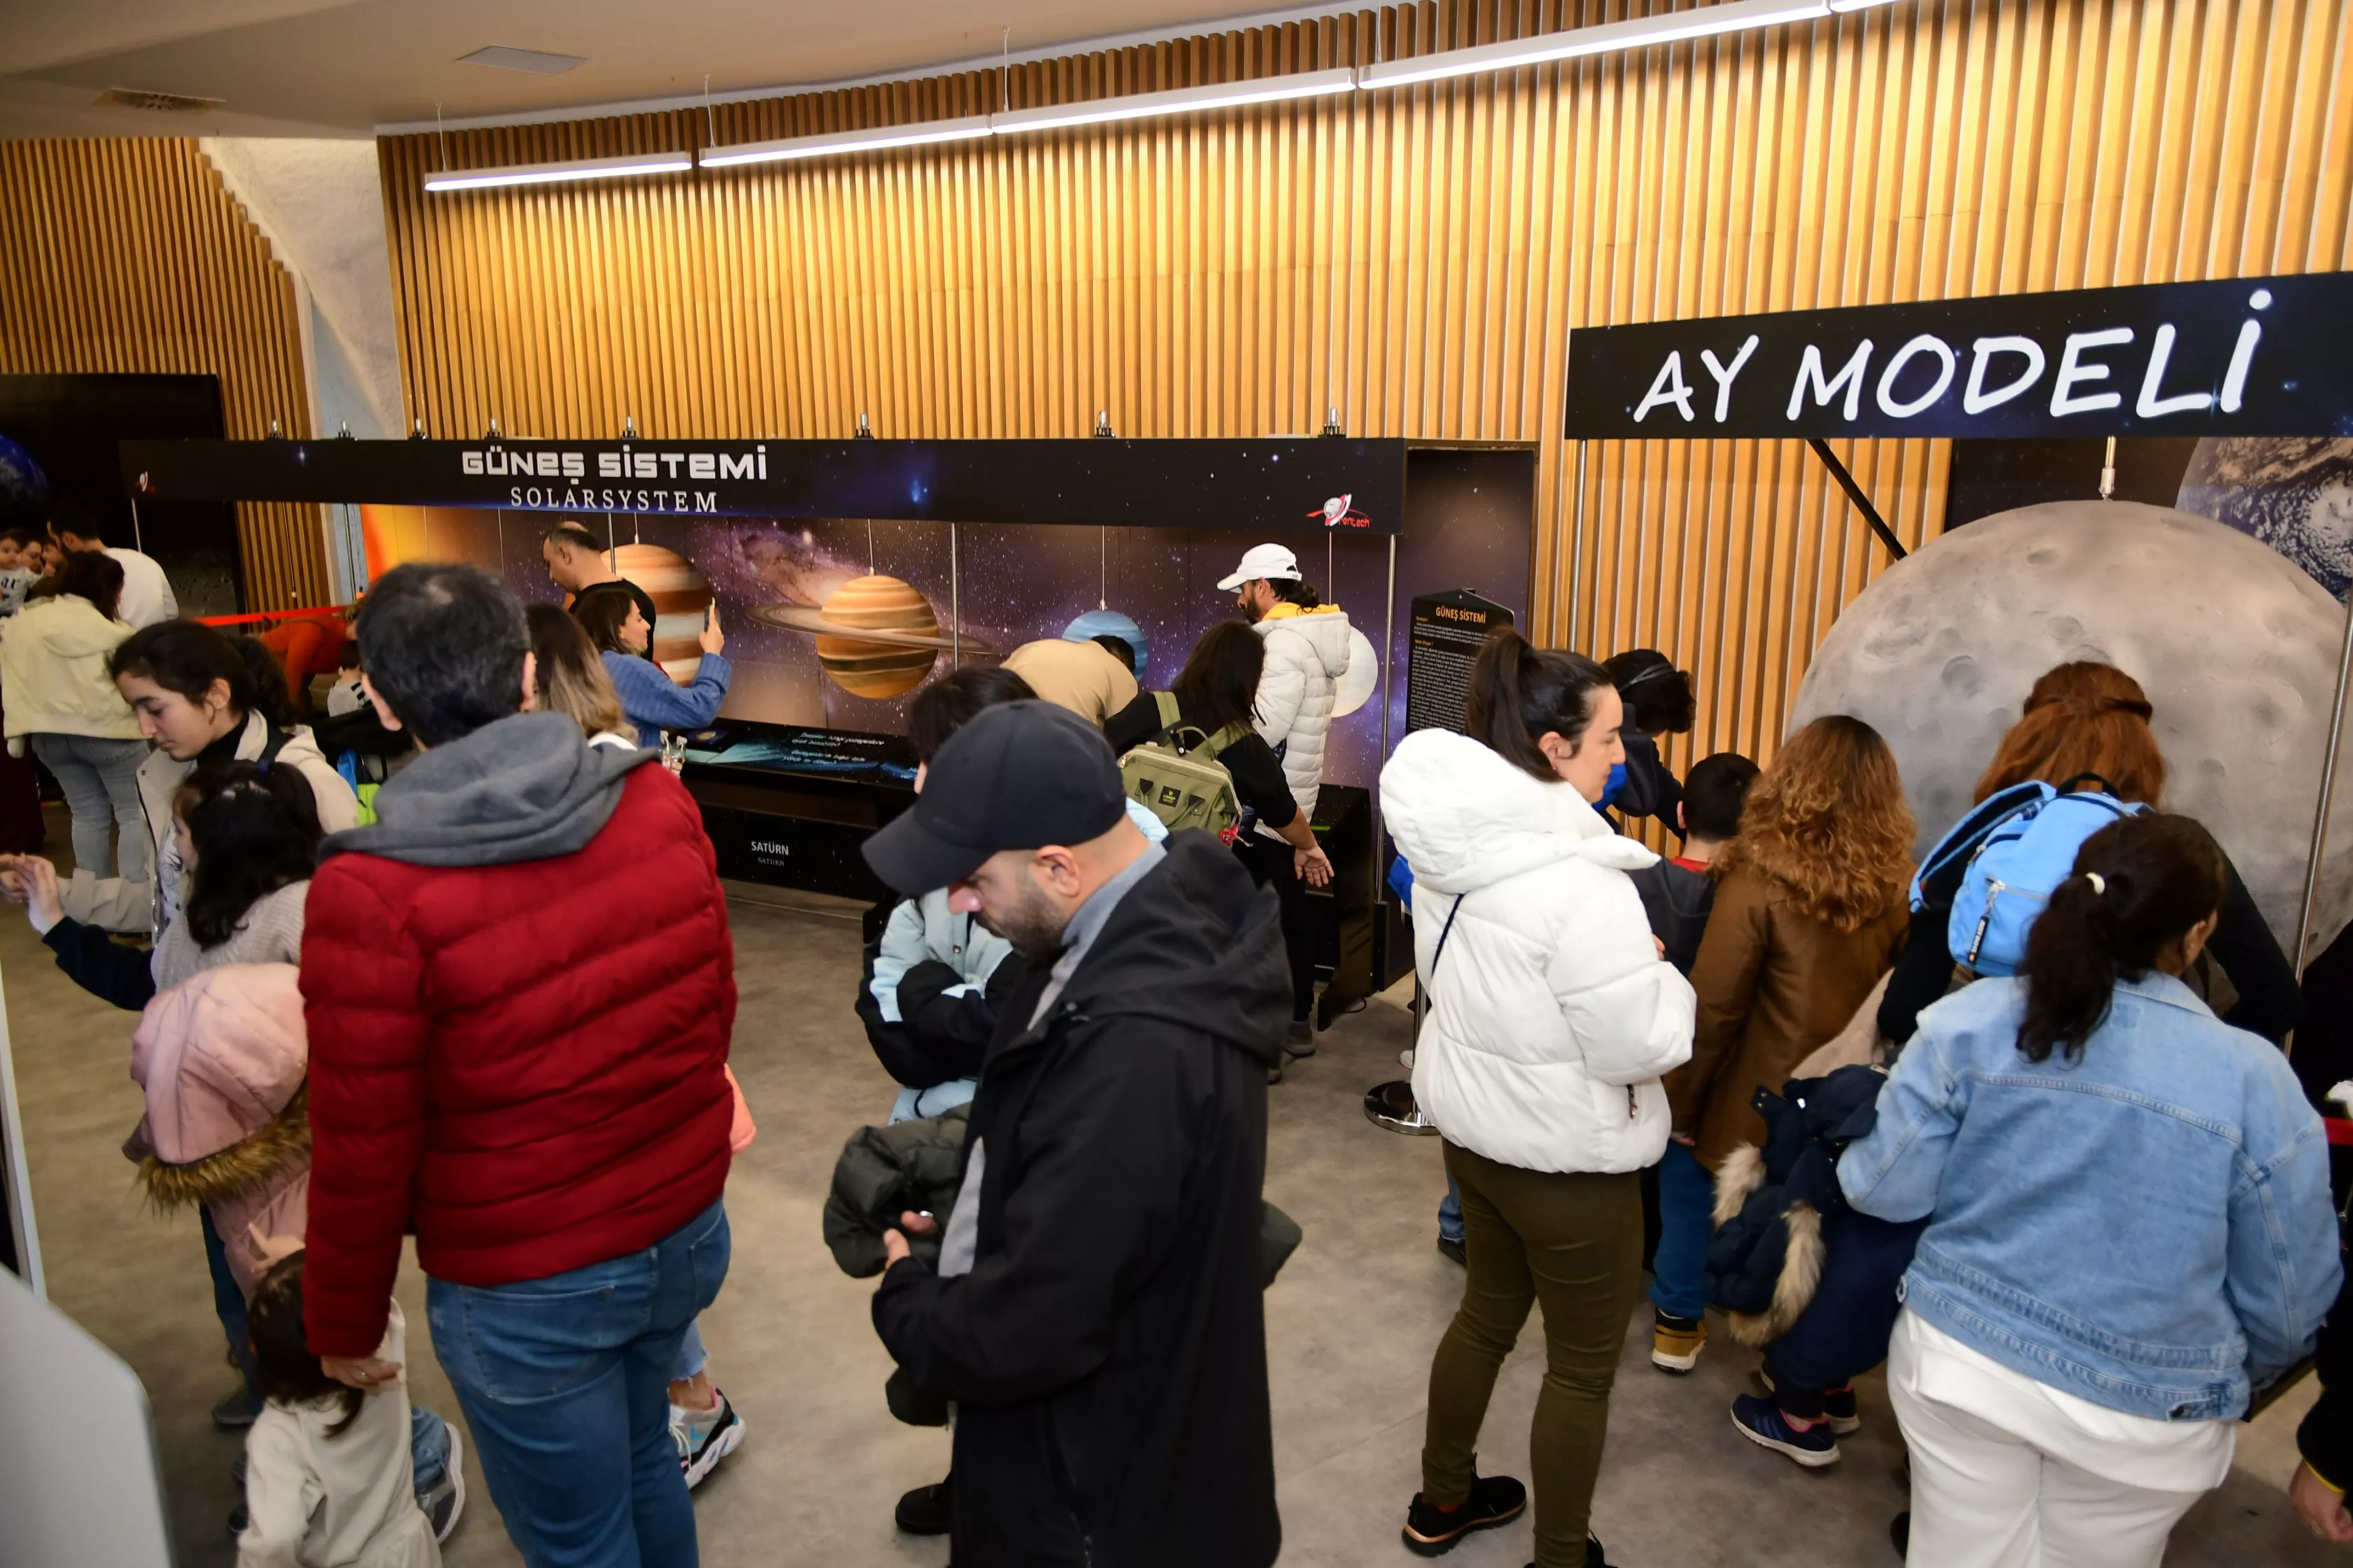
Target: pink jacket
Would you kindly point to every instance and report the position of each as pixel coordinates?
(221, 1057)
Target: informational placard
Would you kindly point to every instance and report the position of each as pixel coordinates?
(1447, 630)
(1279, 485)
(2251, 356)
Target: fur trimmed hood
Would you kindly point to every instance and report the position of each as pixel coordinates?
(249, 1166)
(221, 1057)
(1767, 1259)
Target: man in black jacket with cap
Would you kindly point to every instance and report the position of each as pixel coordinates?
(1097, 1314)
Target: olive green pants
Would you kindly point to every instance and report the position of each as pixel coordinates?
(1573, 1242)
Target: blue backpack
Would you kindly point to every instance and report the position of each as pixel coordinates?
(2012, 851)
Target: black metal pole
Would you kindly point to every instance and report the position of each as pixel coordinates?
(1855, 493)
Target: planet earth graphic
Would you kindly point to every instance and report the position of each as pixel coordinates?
(680, 594)
(1110, 624)
(2293, 492)
(2236, 647)
(23, 488)
(876, 637)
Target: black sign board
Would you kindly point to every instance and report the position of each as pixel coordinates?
(1443, 637)
(2253, 356)
(1330, 484)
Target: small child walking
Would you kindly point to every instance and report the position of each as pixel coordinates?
(328, 1479)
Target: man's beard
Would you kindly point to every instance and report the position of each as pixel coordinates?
(1251, 613)
(1034, 928)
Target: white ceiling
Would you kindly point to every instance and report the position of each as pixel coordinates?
(317, 68)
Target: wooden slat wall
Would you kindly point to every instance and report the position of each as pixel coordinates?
(129, 256)
(1415, 257)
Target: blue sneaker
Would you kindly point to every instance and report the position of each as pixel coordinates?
(1758, 1421)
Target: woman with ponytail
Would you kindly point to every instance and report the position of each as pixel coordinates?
(1551, 1018)
(2088, 724)
(2129, 1224)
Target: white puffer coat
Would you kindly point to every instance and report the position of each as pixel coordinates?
(1551, 1014)
(1306, 655)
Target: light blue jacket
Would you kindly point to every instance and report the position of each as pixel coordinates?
(2149, 1228)
(655, 703)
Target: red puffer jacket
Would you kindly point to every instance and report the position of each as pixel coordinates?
(523, 1063)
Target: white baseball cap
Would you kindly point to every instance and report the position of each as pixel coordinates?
(1263, 561)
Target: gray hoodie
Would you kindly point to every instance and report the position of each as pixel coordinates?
(525, 787)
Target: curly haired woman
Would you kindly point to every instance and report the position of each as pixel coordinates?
(1810, 912)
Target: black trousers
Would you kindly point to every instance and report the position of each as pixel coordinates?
(1269, 860)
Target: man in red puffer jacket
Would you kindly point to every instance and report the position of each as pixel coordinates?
(518, 988)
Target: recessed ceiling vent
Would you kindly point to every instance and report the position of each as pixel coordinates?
(161, 102)
(532, 60)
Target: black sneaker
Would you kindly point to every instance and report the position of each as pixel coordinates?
(924, 1511)
(1899, 1531)
(1431, 1531)
(236, 1411)
(1454, 1250)
(445, 1499)
(1593, 1558)
(238, 1520)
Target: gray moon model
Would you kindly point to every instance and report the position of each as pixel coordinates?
(2236, 647)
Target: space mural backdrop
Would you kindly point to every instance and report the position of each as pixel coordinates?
(836, 623)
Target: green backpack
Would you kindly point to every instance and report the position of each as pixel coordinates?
(1184, 785)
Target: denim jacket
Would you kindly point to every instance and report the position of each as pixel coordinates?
(2149, 1228)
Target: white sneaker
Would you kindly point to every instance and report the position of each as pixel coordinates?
(704, 1437)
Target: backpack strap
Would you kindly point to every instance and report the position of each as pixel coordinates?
(1165, 702)
(1208, 749)
(274, 743)
(1966, 836)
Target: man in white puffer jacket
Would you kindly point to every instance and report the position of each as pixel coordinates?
(1552, 1018)
(1307, 652)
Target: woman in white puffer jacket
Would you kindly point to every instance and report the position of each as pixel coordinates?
(1552, 1018)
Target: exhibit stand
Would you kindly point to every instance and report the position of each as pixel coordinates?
(846, 574)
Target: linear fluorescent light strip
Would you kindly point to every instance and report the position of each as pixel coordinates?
(1179, 100)
(553, 174)
(1609, 37)
(931, 131)
(1636, 32)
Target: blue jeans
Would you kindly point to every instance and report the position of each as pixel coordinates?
(1686, 1224)
(566, 1384)
(1449, 1213)
(100, 780)
(228, 1303)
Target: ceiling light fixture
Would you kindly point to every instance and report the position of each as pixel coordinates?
(968, 129)
(1609, 38)
(538, 62)
(556, 173)
(1179, 100)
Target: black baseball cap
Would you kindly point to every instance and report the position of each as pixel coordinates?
(1020, 775)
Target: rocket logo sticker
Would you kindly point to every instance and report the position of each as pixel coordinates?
(1338, 513)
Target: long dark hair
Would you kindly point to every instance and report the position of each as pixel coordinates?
(1296, 591)
(187, 656)
(570, 678)
(949, 703)
(2139, 884)
(1219, 685)
(92, 574)
(255, 830)
(289, 1373)
(1520, 693)
(602, 615)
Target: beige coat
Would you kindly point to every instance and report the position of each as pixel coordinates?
(53, 669)
(1083, 677)
(1774, 985)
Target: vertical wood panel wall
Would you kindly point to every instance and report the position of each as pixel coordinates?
(129, 256)
(1415, 257)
